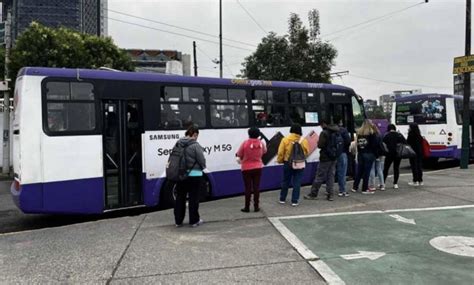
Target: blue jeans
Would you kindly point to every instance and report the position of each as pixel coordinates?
(291, 175)
(377, 170)
(365, 161)
(341, 171)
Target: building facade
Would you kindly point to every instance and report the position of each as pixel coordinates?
(86, 16)
(160, 61)
(369, 105)
(459, 84)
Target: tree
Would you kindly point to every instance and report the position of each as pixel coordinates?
(300, 55)
(49, 47)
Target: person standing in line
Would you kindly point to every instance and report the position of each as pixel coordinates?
(250, 156)
(366, 147)
(415, 140)
(193, 184)
(342, 160)
(331, 145)
(377, 167)
(392, 139)
(291, 175)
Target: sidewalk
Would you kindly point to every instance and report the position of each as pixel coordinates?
(230, 247)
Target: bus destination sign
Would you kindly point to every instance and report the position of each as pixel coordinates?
(463, 64)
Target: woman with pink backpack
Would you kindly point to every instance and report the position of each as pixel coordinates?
(249, 156)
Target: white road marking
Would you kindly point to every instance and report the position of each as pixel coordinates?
(293, 240)
(457, 245)
(320, 266)
(372, 255)
(403, 219)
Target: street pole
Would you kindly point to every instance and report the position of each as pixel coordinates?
(195, 59)
(98, 17)
(6, 101)
(467, 94)
(220, 38)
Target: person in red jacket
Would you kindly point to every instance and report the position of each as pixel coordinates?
(250, 155)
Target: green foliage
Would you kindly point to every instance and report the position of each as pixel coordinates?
(298, 56)
(378, 113)
(49, 47)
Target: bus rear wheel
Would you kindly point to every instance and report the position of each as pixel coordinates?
(430, 162)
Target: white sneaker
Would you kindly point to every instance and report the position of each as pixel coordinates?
(294, 204)
(413, 183)
(395, 186)
(281, 202)
(421, 183)
(382, 188)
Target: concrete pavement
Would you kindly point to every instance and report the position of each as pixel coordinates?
(231, 247)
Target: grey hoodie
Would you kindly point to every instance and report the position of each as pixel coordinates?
(194, 154)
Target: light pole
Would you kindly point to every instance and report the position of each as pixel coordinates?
(467, 94)
(220, 38)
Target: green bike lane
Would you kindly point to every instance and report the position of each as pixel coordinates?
(417, 246)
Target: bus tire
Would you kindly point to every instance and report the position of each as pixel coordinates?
(205, 194)
(168, 195)
(430, 162)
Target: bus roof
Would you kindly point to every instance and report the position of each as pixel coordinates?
(427, 95)
(156, 77)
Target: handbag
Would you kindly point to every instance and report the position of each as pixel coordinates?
(405, 151)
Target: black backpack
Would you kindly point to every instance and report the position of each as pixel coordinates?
(335, 146)
(176, 169)
(297, 157)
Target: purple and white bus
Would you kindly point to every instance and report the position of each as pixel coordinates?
(91, 141)
(439, 117)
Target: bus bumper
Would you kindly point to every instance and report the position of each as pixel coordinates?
(15, 195)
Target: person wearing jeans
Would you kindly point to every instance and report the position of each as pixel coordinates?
(290, 175)
(341, 171)
(366, 154)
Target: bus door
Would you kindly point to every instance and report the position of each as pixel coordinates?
(341, 111)
(122, 132)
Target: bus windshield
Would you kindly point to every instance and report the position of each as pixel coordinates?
(422, 111)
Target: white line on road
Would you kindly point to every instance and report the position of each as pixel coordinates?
(403, 219)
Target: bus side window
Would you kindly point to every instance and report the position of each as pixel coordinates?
(70, 107)
(184, 106)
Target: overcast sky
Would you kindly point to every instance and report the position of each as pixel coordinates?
(411, 49)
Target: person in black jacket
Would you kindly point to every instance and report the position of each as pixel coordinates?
(391, 139)
(415, 140)
(366, 154)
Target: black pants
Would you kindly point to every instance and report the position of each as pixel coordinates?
(416, 164)
(252, 185)
(191, 186)
(396, 168)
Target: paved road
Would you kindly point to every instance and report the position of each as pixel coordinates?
(12, 220)
(231, 247)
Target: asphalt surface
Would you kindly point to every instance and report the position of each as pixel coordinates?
(12, 220)
(230, 247)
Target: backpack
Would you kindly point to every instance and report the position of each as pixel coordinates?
(335, 146)
(176, 169)
(297, 157)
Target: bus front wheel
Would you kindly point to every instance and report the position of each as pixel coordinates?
(168, 195)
